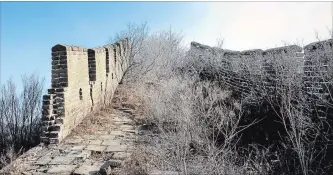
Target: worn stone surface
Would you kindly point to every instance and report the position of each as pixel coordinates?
(106, 137)
(64, 169)
(44, 160)
(117, 133)
(95, 142)
(111, 142)
(157, 172)
(86, 169)
(60, 160)
(72, 156)
(78, 147)
(96, 148)
(74, 141)
(116, 148)
(81, 79)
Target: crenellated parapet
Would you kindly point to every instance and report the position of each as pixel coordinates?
(310, 67)
(80, 84)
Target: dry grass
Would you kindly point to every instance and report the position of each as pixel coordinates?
(137, 164)
(20, 117)
(21, 162)
(100, 120)
(126, 96)
(9, 159)
(203, 129)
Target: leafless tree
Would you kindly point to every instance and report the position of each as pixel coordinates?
(219, 42)
(136, 34)
(201, 122)
(20, 121)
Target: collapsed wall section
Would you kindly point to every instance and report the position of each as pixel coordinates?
(274, 68)
(318, 72)
(279, 67)
(80, 84)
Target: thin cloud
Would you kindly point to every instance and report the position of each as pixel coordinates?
(250, 25)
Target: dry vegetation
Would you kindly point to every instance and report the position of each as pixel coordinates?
(195, 124)
(192, 122)
(20, 117)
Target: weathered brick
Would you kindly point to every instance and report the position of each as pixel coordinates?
(82, 67)
(59, 120)
(53, 134)
(46, 97)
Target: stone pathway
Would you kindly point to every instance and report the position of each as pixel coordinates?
(98, 153)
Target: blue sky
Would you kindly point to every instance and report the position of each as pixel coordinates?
(30, 29)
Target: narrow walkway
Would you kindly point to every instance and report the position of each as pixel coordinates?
(97, 146)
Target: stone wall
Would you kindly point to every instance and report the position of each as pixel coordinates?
(310, 67)
(82, 81)
(318, 75)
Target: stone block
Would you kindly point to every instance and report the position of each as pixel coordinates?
(59, 120)
(57, 169)
(157, 172)
(43, 160)
(89, 162)
(89, 137)
(74, 141)
(78, 147)
(80, 154)
(111, 142)
(62, 160)
(53, 140)
(46, 97)
(87, 170)
(55, 127)
(96, 148)
(95, 142)
(117, 133)
(116, 148)
(127, 127)
(129, 131)
(54, 134)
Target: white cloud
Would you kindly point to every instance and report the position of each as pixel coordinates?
(250, 25)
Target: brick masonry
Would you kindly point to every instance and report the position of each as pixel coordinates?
(82, 80)
(312, 66)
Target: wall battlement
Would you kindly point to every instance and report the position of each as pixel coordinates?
(82, 81)
(311, 67)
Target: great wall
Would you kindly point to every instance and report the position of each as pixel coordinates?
(83, 80)
(311, 66)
